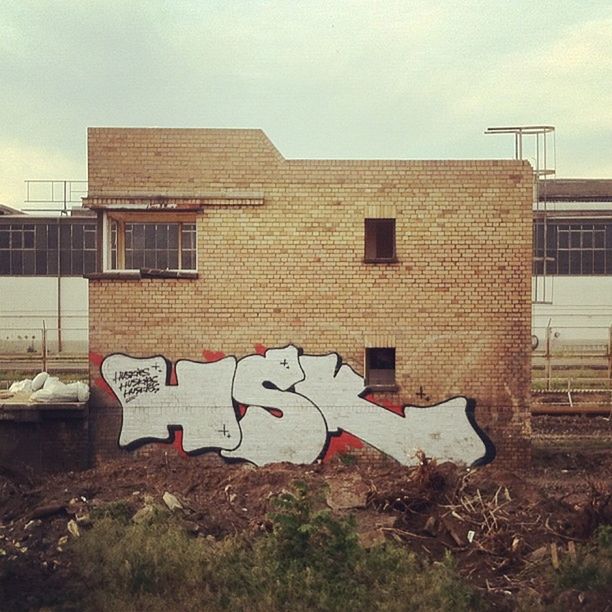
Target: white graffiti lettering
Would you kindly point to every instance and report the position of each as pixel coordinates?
(292, 404)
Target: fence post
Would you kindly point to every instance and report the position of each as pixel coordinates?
(610, 357)
(44, 347)
(548, 357)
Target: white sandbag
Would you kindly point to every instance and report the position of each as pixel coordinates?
(51, 381)
(42, 395)
(54, 391)
(57, 391)
(82, 392)
(39, 380)
(22, 386)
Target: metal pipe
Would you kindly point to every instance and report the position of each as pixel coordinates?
(59, 289)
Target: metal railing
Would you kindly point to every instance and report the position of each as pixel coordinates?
(43, 348)
(571, 358)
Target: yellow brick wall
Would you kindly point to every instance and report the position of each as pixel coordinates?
(457, 304)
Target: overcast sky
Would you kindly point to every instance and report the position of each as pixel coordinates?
(324, 79)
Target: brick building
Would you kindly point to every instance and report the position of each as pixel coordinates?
(371, 284)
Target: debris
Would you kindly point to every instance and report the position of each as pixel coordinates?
(144, 515)
(45, 511)
(172, 502)
(499, 525)
(346, 490)
(73, 528)
(554, 555)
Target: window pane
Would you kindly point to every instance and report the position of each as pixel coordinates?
(551, 238)
(149, 259)
(52, 237)
(149, 231)
(162, 260)
(587, 262)
(77, 262)
(599, 262)
(587, 240)
(17, 262)
(563, 262)
(173, 262)
(16, 237)
(161, 236)
(575, 262)
(563, 238)
(138, 236)
(609, 262)
(138, 260)
(188, 261)
(173, 236)
(5, 238)
(89, 262)
(5, 263)
(574, 240)
(65, 236)
(41, 262)
(51, 262)
(65, 263)
(41, 236)
(89, 235)
(77, 236)
(29, 265)
(28, 239)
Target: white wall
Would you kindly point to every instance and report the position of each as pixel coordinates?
(580, 302)
(26, 301)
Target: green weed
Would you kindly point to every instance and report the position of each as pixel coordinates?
(311, 560)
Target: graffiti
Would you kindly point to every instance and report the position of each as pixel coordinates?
(133, 383)
(281, 405)
(422, 395)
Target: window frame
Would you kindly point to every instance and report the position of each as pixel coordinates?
(575, 247)
(380, 385)
(119, 220)
(371, 237)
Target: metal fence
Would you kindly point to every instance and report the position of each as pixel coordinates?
(43, 348)
(571, 358)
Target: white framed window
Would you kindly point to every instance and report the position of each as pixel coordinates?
(150, 242)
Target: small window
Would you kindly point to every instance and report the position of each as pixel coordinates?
(380, 240)
(380, 367)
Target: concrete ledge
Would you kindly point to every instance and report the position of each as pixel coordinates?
(34, 412)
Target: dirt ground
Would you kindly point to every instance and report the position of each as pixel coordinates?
(500, 526)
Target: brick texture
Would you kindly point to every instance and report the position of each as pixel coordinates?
(456, 304)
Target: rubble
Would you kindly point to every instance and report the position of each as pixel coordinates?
(498, 524)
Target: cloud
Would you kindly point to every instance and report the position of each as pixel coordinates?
(324, 79)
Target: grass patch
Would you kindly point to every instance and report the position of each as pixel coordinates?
(592, 569)
(311, 560)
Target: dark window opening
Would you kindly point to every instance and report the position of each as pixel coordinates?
(380, 366)
(380, 240)
(572, 248)
(28, 249)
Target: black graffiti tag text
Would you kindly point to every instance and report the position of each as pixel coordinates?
(132, 383)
